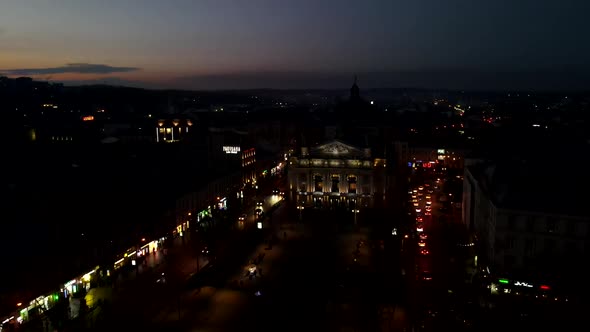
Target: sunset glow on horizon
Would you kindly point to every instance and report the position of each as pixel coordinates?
(168, 43)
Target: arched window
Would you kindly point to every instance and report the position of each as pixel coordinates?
(318, 183)
(352, 184)
(335, 183)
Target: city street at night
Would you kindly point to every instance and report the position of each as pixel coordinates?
(148, 294)
(294, 165)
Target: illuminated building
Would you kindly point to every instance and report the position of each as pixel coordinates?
(172, 130)
(230, 148)
(336, 175)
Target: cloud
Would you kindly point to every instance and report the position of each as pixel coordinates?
(77, 68)
(113, 81)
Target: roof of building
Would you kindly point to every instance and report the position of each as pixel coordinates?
(336, 149)
(541, 185)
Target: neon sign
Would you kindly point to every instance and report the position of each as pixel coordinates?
(522, 284)
(231, 149)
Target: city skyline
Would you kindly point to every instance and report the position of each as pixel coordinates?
(229, 45)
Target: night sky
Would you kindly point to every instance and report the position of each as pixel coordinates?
(217, 44)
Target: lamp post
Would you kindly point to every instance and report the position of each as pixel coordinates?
(355, 211)
(300, 208)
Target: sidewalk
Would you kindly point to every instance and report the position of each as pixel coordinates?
(348, 244)
(264, 259)
(147, 272)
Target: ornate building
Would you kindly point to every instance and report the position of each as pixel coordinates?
(336, 175)
(172, 130)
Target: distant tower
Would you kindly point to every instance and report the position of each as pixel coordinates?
(355, 93)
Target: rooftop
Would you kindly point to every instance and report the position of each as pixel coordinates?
(542, 186)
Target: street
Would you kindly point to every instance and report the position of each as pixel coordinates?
(306, 278)
(312, 269)
(139, 296)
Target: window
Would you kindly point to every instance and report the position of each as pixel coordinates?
(571, 228)
(318, 181)
(530, 224)
(352, 184)
(510, 222)
(335, 183)
(509, 244)
(551, 225)
(530, 247)
(302, 186)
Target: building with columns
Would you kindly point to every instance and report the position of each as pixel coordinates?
(336, 175)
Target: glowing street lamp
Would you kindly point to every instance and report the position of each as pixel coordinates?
(300, 208)
(355, 211)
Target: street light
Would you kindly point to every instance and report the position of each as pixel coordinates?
(355, 211)
(300, 208)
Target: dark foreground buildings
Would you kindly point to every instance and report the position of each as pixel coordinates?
(527, 207)
(86, 192)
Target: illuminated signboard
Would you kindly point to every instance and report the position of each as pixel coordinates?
(231, 149)
(88, 118)
(522, 284)
(441, 151)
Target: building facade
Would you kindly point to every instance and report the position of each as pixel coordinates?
(231, 148)
(336, 175)
(533, 242)
(172, 130)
